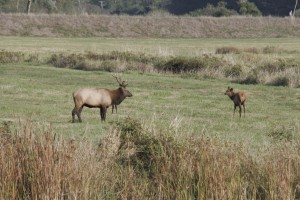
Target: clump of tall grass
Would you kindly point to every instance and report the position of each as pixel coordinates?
(133, 162)
(113, 61)
(36, 164)
(188, 65)
(253, 50)
(227, 50)
(277, 72)
(11, 57)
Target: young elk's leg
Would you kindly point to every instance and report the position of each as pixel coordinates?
(116, 108)
(112, 109)
(234, 110)
(240, 110)
(244, 106)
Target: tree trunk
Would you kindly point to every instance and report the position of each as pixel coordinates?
(295, 7)
(28, 6)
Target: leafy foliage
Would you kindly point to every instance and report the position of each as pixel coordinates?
(248, 8)
(183, 64)
(217, 11)
(8, 57)
(141, 7)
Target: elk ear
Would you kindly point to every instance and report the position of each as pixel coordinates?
(231, 89)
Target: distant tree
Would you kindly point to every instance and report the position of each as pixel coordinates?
(248, 8)
(295, 7)
(28, 7)
(216, 11)
(133, 7)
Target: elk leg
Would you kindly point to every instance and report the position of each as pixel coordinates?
(240, 111)
(73, 114)
(79, 113)
(103, 112)
(234, 110)
(114, 107)
(244, 106)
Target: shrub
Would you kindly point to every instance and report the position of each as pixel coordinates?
(227, 50)
(117, 55)
(216, 11)
(270, 49)
(72, 61)
(250, 79)
(281, 133)
(252, 50)
(146, 148)
(234, 71)
(280, 81)
(248, 8)
(160, 165)
(184, 64)
(9, 57)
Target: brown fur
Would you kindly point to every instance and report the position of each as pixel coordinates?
(239, 100)
(98, 98)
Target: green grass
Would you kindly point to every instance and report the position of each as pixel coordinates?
(255, 156)
(181, 105)
(175, 46)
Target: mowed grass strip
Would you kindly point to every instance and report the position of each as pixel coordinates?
(46, 46)
(175, 104)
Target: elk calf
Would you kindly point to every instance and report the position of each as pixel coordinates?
(239, 99)
(98, 98)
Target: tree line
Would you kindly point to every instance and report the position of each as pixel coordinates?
(215, 8)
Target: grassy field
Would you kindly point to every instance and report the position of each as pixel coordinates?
(181, 105)
(191, 105)
(161, 47)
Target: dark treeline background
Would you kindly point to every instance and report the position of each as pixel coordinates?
(143, 7)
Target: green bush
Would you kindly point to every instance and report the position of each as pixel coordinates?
(250, 79)
(234, 71)
(11, 57)
(281, 133)
(124, 56)
(227, 50)
(280, 81)
(146, 147)
(184, 64)
(74, 61)
(216, 11)
(248, 8)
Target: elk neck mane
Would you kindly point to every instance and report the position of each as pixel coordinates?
(117, 96)
(232, 95)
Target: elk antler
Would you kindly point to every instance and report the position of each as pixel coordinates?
(119, 80)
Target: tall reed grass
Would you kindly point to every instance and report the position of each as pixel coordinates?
(248, 68)
(132, 162)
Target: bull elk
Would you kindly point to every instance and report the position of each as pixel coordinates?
(238, 98)
(99, 98)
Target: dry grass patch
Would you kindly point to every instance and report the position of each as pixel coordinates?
(136, 163)
(147, 26)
